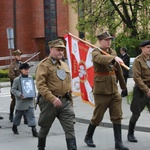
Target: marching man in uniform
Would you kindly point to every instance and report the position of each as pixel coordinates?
(53, 81)
(13, 73)
(106, 72)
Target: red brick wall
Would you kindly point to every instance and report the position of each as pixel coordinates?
(62, 18)
(29, 24)
(5, 22)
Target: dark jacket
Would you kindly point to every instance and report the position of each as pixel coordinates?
(126, 60)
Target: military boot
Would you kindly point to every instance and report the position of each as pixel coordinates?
(130, 135)
(71, 144)
(12, 107)
(89, 136)
(11, 115)
(34, 132)
(41, 143)
(14, 129)
(118, 137)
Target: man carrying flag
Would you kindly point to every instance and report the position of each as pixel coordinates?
(106, 72)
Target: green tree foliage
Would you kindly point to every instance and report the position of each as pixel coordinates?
(131, 43)
(127, 19)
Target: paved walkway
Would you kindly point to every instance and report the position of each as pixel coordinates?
(84, 111)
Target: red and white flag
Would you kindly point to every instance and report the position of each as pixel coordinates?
(81, 66)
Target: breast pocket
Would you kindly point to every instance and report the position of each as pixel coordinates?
(99, 85)
(145, 70)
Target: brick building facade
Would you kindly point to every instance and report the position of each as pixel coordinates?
(34, 23)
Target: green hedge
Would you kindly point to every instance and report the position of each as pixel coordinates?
(4, 73)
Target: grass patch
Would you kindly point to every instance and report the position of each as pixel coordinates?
(4, 79)
(7, 79)
(129, 97)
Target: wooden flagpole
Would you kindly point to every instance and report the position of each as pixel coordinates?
(93, 46)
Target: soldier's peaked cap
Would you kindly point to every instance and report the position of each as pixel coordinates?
(17, 52)
(56, 43)
(104, 35)
(144, 43)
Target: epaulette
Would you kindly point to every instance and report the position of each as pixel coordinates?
(137, 57)
(44, 60)
(96, 49)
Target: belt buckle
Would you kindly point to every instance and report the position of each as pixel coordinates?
(110, 72)
(60, 96)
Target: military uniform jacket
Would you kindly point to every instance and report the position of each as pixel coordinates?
(106, 84)
(48, 83)
(14, 70)
(141, 73)
(16, 90)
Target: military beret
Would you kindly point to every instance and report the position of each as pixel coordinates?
(144, 43)
(104, 35)
(17, 52)
(56, 43)
(24, 66)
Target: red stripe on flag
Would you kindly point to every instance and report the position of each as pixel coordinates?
(81, 68)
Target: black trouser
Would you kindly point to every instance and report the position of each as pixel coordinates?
(12, 103)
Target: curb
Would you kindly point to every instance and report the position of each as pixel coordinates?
(102, 124)
(4, 86)
(109, 125)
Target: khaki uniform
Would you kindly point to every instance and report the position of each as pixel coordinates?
(51, 86)
(13, 73)
(47, 81)
(106, 95)
(14, 70)
(141, 76)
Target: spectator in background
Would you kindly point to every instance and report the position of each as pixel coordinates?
(126, 59)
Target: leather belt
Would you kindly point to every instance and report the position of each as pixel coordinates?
(61, 96)
(104, 73)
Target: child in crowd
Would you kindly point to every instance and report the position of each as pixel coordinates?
(24, 105)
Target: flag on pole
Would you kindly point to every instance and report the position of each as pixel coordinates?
(80, 63)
